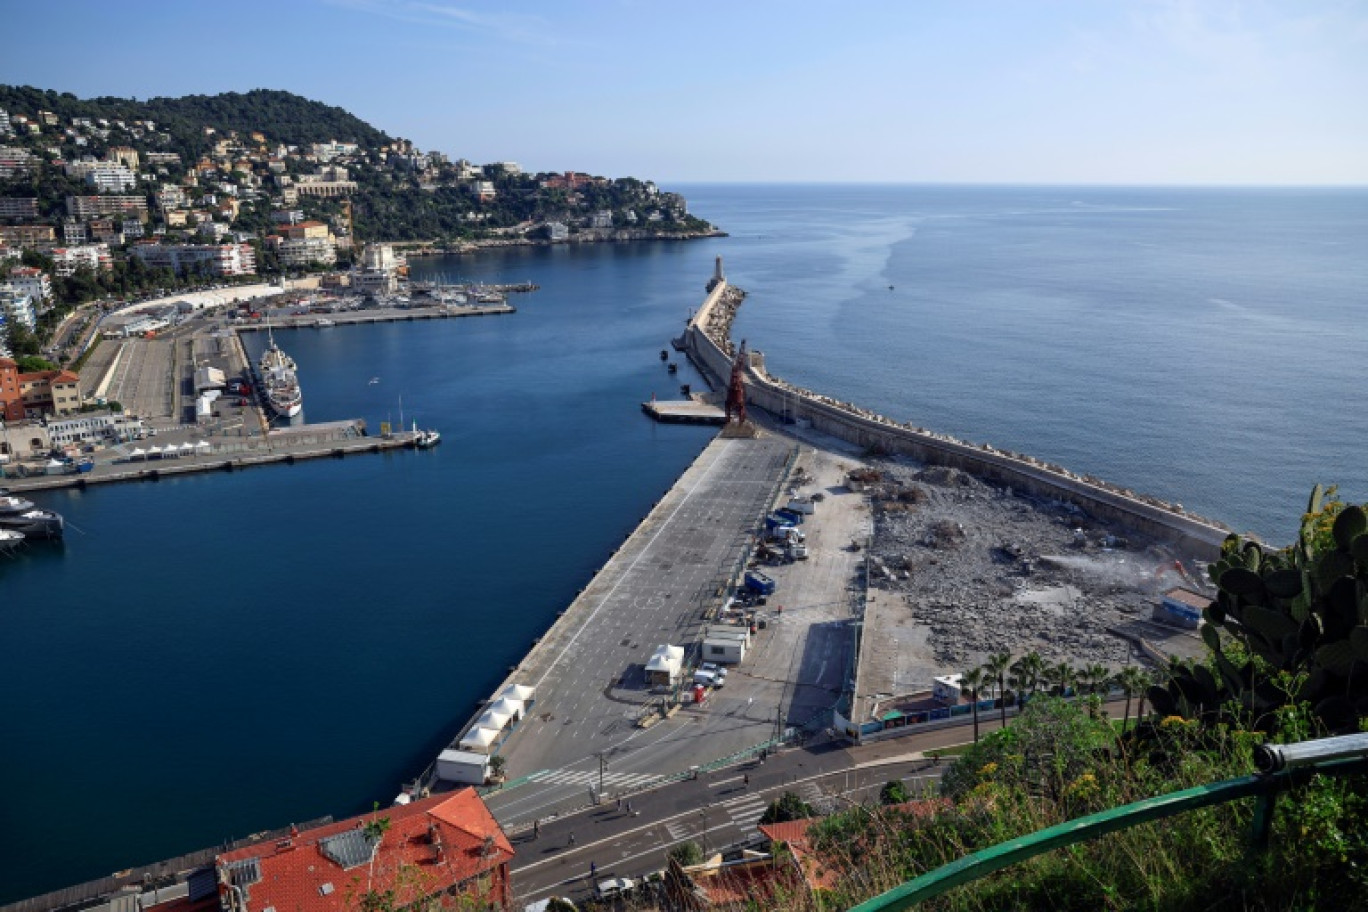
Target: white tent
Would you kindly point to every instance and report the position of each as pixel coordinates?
(520, 692)
(138, 453)
(170, 451)
(202, 445)
(506, 707)
(187, 447)
(479, 739)
(154, 451)
(494, 720)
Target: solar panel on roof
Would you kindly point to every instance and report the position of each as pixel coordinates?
(202, 883)
(350, 848)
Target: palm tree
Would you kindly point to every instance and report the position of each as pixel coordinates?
(1095, 675)
(996, 670)
(1028, 672)
(1062, 676)
(971, 681)
(1132, 681)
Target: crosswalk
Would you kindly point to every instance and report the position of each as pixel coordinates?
(612, 782)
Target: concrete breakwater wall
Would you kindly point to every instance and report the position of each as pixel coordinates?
(707, 342)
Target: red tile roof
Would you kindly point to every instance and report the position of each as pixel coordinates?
(430, 847)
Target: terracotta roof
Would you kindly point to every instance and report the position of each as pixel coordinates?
(1188, 597)
(431, 845)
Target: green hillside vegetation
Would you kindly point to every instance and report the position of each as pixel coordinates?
(282, 117)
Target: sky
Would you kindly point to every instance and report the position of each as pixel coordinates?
(922, 91)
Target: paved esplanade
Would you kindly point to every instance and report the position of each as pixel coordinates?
(588, 670)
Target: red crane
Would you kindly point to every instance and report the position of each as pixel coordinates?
(736, 391)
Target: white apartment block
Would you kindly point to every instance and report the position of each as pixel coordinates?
(17, 307)
(30, 281)
(304, 251)
(215, 259)
(14, 161)
(88, 207)
(96, 256)
(107, 178)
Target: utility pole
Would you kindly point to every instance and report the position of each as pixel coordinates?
(603, 766)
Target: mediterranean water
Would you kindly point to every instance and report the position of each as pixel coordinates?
(211, 656)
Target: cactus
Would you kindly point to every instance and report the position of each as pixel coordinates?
(1299, 614)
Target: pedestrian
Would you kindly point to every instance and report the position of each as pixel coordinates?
(745, 781)
(619, 806)
(536, 829)
(593, 871)
(629, 807)
(572, 838)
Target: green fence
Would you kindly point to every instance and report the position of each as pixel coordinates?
(1282, 767)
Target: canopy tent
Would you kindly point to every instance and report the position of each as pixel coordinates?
(170, 450)
(479, 739)
(520, 692)
(505, 706)
(138, 453)
(154, 451)
(494, 720)
(202, 445)
(187, 447)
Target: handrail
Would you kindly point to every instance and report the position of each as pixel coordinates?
(980, 864)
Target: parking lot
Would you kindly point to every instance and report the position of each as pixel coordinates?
(582, 733)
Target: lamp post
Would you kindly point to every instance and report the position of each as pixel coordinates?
(703, 814)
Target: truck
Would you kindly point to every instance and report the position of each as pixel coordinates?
(797, 550)
(759, 582)
(792, 517)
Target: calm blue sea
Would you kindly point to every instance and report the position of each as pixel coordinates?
(212, 656)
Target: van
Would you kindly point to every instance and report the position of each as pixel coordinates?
(704, 678)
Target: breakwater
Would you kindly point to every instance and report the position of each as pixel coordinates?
(708, 344)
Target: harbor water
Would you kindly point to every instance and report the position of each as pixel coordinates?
(210, 656)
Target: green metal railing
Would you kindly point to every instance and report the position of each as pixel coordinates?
(1282, 767)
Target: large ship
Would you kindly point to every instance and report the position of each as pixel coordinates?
(279, 383)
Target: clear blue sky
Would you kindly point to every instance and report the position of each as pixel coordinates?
(1052, 91)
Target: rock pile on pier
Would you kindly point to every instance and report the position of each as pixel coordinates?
(990, 570)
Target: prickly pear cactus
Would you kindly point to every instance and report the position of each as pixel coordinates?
(1301, 610)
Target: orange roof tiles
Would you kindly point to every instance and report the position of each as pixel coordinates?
(430, 847)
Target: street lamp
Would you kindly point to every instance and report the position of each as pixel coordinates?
(703, 813)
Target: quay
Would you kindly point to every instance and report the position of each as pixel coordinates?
(383, 315)
(685, 411)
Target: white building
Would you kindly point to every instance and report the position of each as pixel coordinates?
(664, 666)
(17, 307)
(307, 250)
(214, 259)
(31, 281)
(96, 256)
(109, 428)
(725, 644)
(378, 273)
(601, 219)
(111, 178)
(557, 231)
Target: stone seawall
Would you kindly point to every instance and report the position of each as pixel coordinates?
(708, 350)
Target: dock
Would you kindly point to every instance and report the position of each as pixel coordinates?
(684, 411)
(383, 315)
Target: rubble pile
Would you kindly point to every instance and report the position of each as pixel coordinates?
(989, 570)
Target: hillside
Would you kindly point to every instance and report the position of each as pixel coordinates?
(282, 117)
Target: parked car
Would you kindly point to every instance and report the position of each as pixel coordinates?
(615, 886)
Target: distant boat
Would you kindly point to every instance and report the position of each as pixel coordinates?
(374, 380)
(10, 540)
(425, 440)
(324, 323)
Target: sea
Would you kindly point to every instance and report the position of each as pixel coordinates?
(212, 656)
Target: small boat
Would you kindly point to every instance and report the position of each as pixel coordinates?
(374, 380)
(664, 355)
(425, 440)
(324, 323)
(673, 368)
(9, 540)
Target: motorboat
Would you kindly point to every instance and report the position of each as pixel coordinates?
(34, 523)
(9, 540)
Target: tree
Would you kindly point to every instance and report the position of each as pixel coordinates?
(788, 807)
(895, 792)
(996, 669)
(1132, 681)
(971, 681)
(497, 764)
(686, 854)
